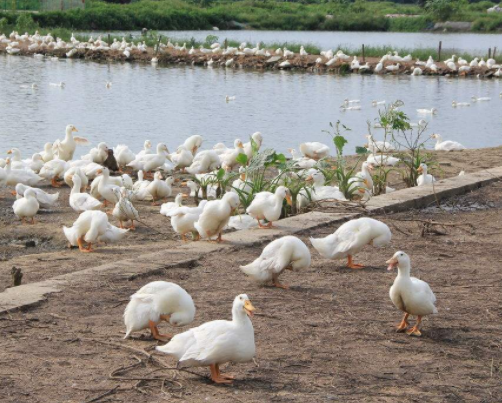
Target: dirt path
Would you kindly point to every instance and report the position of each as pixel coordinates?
(329, 338)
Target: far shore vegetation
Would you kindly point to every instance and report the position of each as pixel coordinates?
(323, 15)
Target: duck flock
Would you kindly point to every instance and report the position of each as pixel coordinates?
(235, 56)
(213, 343)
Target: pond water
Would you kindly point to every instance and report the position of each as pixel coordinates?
(477, 44)
(169, 104)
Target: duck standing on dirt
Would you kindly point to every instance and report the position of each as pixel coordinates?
(286, 253)
(215, 216)
(156, 302)
(217, 342)
(409, 294)
(27, 206)
(351, 238)
(268, 206)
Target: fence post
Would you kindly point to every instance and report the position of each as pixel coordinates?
(439, 50)
(489, 53)
(364, 57)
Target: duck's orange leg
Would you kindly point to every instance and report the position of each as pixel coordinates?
(216, 376)
(81, 246)
(275, 282)
(414, 330)
(352, 265)
(155, 332)
(404, 324)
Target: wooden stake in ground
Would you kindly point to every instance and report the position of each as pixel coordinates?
(439, 50)
(17, 276)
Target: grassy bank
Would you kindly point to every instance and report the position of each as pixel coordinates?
(332, 16)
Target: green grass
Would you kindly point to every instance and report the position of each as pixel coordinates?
(275, 15)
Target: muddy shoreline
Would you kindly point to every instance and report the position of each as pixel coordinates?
(169, 57)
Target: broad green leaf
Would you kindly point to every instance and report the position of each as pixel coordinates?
(242, 159)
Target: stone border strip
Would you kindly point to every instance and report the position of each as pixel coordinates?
(187, 255)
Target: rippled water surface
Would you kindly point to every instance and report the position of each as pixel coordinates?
(169, 104)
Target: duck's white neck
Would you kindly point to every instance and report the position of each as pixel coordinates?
(240, 318)
(438, 139)
(424, 171)
(403, 270)
(76, 186)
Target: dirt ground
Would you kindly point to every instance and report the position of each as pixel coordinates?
(40, 249)
(331, 337)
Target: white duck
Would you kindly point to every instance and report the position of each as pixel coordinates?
(446, 145)
(123, 155)
(424, 178)
(363, 178)
(322, 192)
(65, 149)
(156, 302)
(351, 238)
(268, 206)
(124, 210)
(242, 183)
(257, 138)
(229, 156)
(149, 162)
(167, 207)
(382, 160)
(147, 149)
(217, 342)
(54, 170)
(314, 150)
(193, 143)
(68, 178)
(409, 294)
(286, 253)
(431, 111)
(301, 162)
(97, 154)
(203, 162)
(81, 201)
(183, 219)
(47, 154)
(27, 206)
(15, 176)
(378, 146)
(183, 158)
(92, 226)
(215, 216)
(160, 189)
(105, 188)
(45, 200)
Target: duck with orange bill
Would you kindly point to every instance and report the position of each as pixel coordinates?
(218, 342)
(409, 294)
(268, 206)
(64, 149)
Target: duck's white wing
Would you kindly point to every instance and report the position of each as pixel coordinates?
(211, 340)
(83, 201)
(351, 235)
(424, 289)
